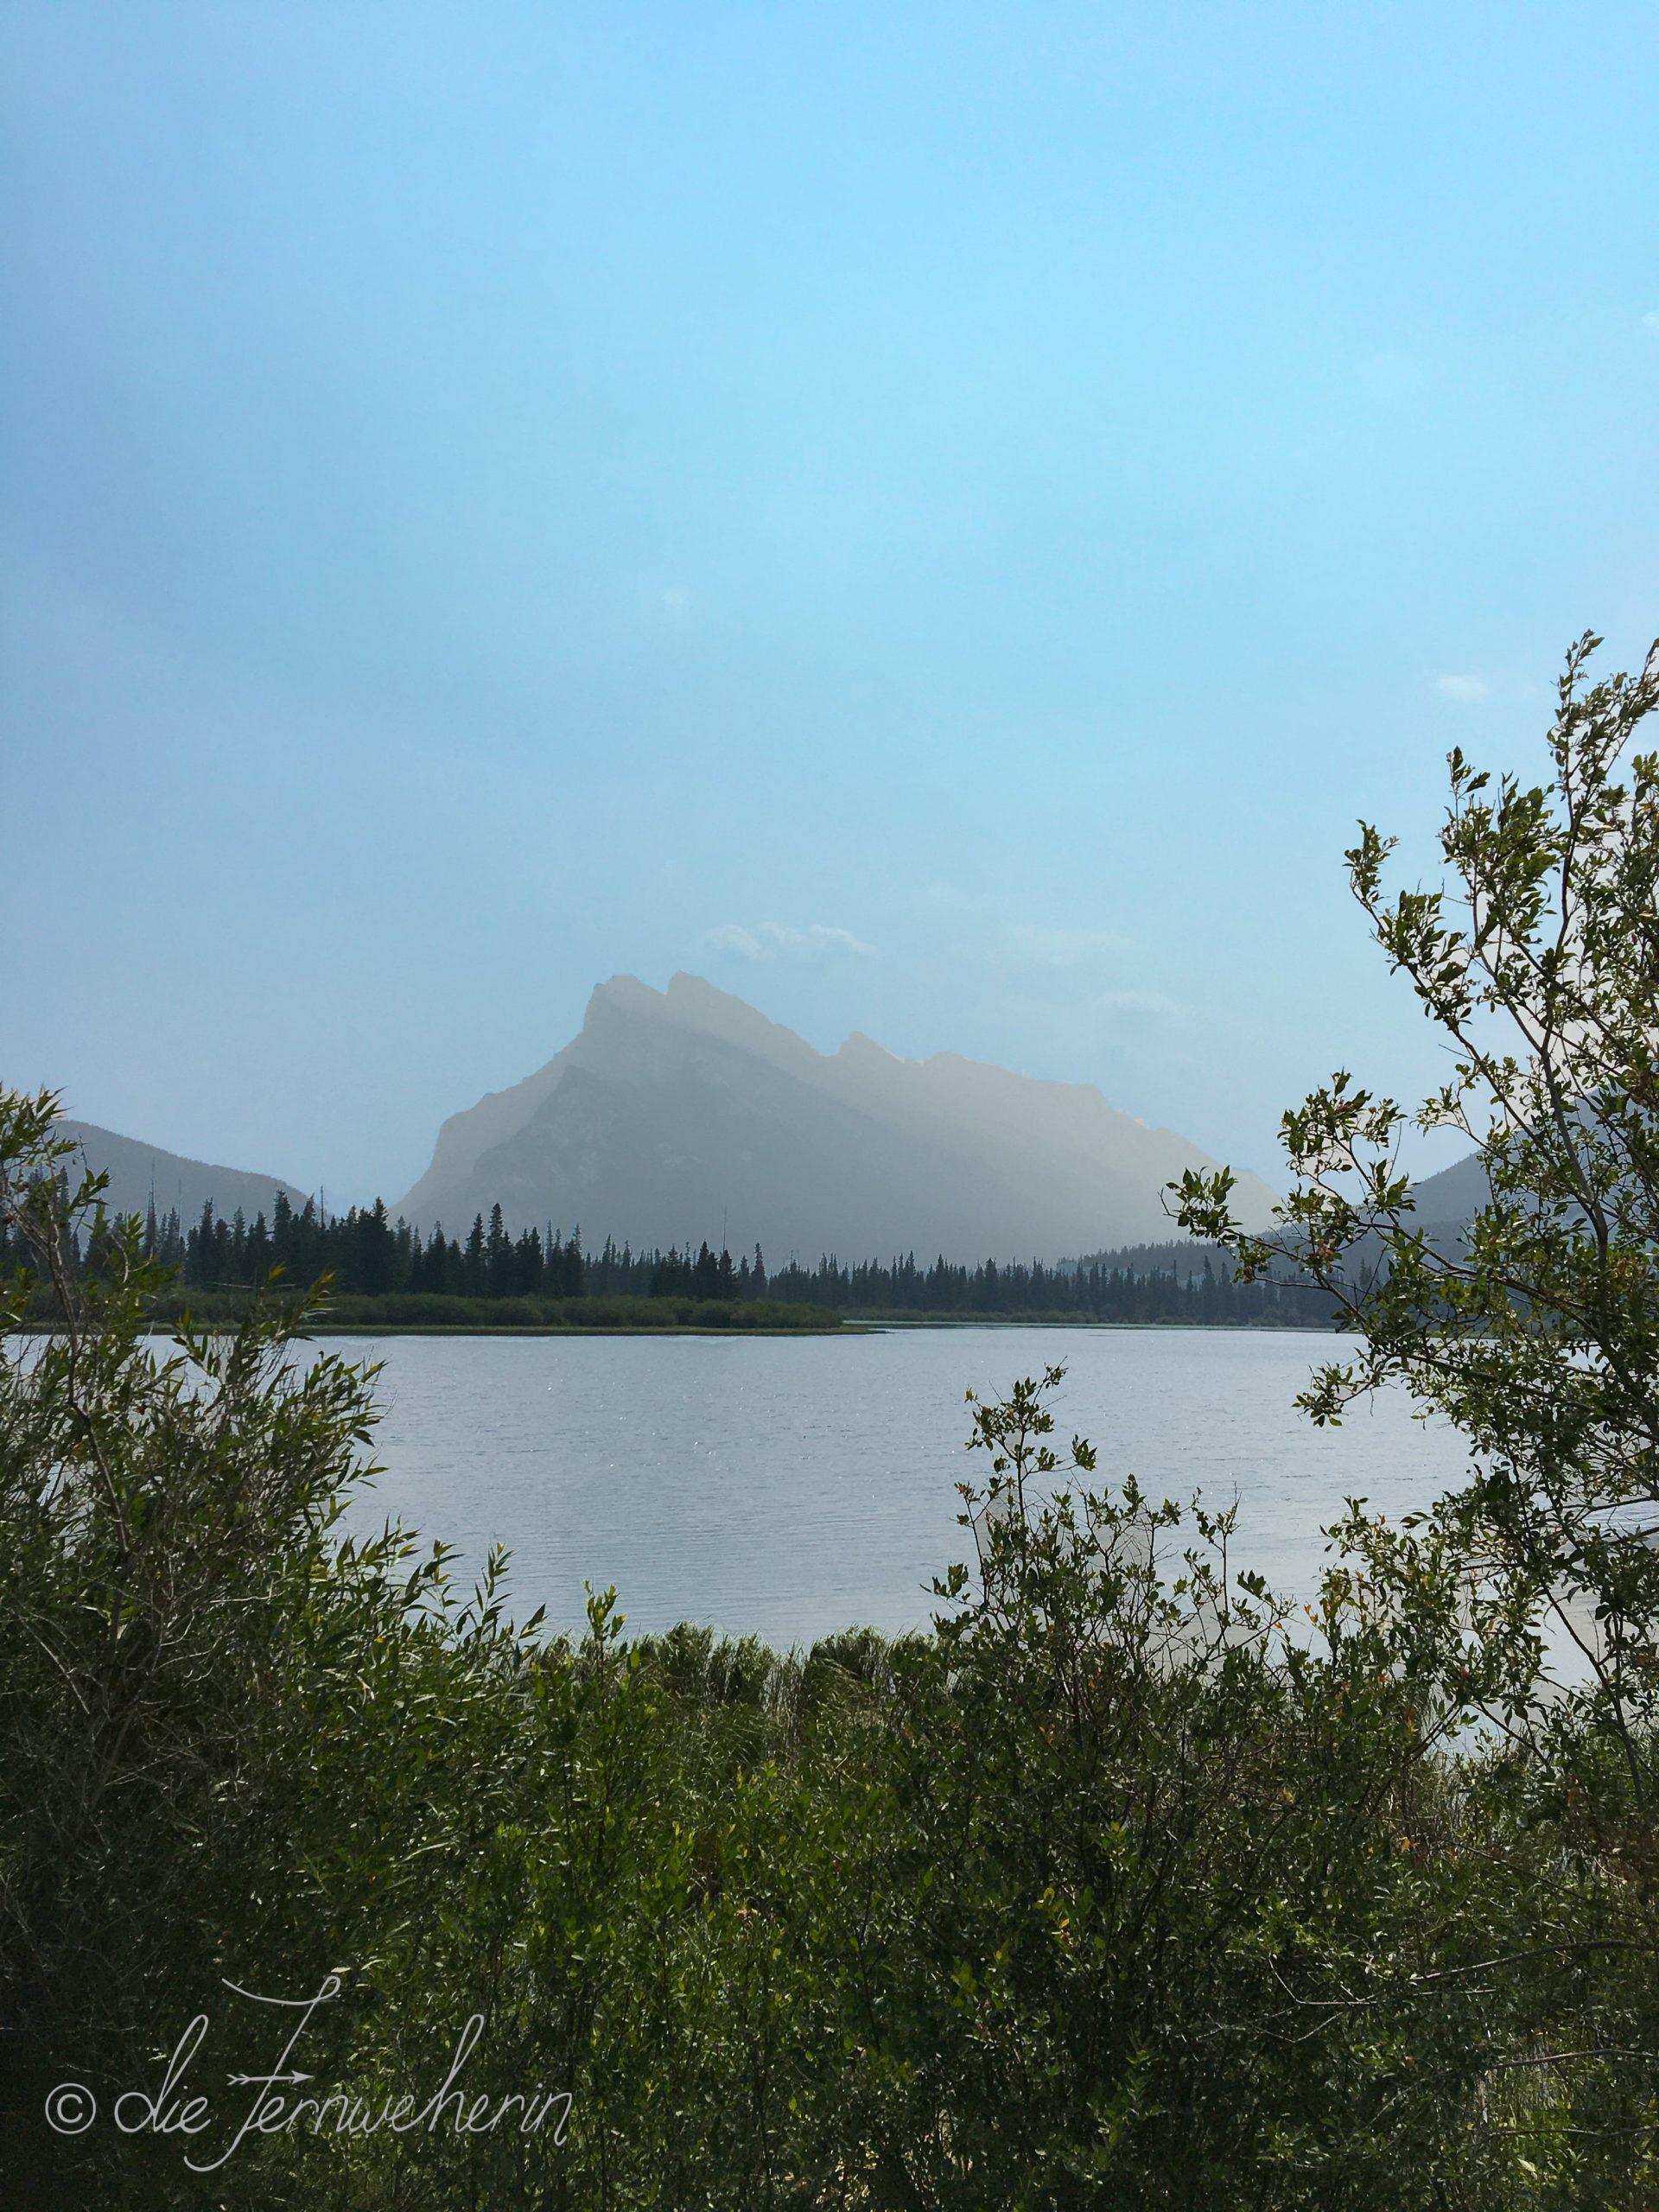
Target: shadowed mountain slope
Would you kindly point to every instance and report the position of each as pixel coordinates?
(138, 1170)
(1453, 1197)
(686, 1115)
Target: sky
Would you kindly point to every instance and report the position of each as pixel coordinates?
(936, 518)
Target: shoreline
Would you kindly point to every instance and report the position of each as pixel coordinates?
(854, 1325)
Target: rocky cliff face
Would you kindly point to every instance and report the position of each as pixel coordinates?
(683, 1114)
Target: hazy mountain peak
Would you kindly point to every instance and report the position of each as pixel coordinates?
(624, 995)
(688, 1114)
(694, 1000)
(699, 1007)
(858, 1047)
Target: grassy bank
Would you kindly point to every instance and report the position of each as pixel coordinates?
(1062, 1318)
(430, 1314)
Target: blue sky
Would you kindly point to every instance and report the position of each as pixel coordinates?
(936, 518)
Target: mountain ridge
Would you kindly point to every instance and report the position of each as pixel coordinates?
(138, 1172)
(687, 1114)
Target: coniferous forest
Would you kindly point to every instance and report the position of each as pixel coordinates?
(380, 1268)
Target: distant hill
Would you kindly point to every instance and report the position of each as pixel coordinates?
(137, 1171)
(687, 1115)
(1443, 1204)
(1451, 1199)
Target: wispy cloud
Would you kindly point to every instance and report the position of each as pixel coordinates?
(1467, 691)
(1144, 1006)
(784, 941)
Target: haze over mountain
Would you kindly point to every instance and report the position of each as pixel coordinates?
(687, 1115)
(1445, 1202)
(139, 1172)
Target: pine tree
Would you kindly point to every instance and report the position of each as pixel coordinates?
(475, 1265)
(497, 1256)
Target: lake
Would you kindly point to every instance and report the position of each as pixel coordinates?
(791, 1486)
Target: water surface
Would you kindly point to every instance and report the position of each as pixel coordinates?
(794, 1485)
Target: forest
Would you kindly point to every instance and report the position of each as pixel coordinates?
(376, 1265)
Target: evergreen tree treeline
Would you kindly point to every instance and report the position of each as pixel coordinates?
(368, 1255)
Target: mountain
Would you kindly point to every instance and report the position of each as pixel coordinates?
(138, 1170)
(686, 1115)
(1451, 1199)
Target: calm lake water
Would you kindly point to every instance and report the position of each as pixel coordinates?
(794, 1486)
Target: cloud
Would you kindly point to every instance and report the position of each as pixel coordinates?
(1650, 322)
(1467, 691)
(783, 941)
(1149, 1005)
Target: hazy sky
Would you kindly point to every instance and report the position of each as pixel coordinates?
(936, 517)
